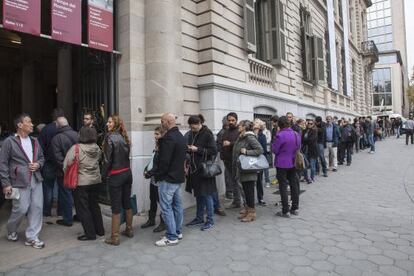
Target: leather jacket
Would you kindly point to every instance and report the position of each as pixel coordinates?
(116, 152)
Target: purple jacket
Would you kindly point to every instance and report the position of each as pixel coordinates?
(284, 147)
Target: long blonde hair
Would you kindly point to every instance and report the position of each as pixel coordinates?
(119, 126)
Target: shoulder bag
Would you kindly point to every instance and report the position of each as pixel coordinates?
(299, 159)
(209, 168)
(253, 163)
(70, 178)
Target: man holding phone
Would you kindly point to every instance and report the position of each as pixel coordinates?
(21, 158)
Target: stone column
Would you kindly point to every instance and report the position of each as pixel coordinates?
(64, 80)
(164, 91)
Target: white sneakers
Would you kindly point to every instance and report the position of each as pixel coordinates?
(165, 242)
(267, 185)
(36, 243)
(12, 236)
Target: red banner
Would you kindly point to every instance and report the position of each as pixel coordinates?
(22, 15)
(100, 24)
(67, 20)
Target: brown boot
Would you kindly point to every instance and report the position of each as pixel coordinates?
(129, 231)
(251, 215)
(243, 213)
(114, 239)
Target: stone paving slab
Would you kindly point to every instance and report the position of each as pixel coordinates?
(358, 221)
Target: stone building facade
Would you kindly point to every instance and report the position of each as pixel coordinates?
(257, 58)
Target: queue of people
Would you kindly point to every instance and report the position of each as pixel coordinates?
(30, 168)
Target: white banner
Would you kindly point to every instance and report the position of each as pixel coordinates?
(332, 45)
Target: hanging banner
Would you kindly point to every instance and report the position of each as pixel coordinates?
(22, 15)
(100, 24)
(67, 20)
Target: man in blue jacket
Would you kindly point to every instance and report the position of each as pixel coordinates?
(332, 140)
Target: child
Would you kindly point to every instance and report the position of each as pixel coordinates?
(148, 173)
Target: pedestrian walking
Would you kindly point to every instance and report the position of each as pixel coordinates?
(21, 159)
(49, 168)
(116, 148)
(65, 138)
(332, 140)
(246, 144)
(320, 125)
(285, 146)
(409, 130)
(89, 185)
(170, 176)
(201, 147)
(229, 138)
(149, 174)
(348, 138)
(258, 131)
(310, 150)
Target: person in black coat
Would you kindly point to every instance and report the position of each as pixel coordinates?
(201, 147)
(321, 145)
(65, 138)
(310, 149)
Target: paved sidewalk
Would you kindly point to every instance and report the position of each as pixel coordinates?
(358, 221)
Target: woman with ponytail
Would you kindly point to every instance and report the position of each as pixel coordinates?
(116, 152)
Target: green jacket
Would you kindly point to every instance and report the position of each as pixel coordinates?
(248, 141)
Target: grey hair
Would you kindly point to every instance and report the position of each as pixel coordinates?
(62, 122)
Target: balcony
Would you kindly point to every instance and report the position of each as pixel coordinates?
(370, 51)
(261, 73)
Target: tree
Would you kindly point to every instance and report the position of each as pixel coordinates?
(410, 92)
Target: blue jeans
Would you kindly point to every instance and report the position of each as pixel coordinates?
(65, 201)
(216, 201)
(312, 163)
(321, 149)
(48, 185)
(266, 175)
(371, 141)
(205, 202)
(171, 208)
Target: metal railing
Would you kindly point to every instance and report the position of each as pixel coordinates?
(261, 73)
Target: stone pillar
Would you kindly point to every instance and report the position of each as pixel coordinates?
(164, 91)
(64, 80)
(28, 89)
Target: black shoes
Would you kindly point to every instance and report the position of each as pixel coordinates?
(63, 223)
(85, 238)
(149, 223)
(283, 215)
(294, 212)
(195, 222)
(161, 227)
(220, 212)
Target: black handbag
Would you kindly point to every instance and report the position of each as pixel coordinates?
(209, 168)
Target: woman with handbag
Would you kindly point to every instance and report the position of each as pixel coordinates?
(286, 147)
(246, 144)
(88, 154)
(116, 153)
(154, 197)
(201, 148)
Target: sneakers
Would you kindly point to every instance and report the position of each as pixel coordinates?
(283, 215)
(38, 244)
(12, 236)
(166, 242)
(294, 212)
(267, 185)
(206, 226)
(180, 237)
(262, 203)
(371, 152)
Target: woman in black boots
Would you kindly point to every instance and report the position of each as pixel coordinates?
(116, 152)
(154, 198)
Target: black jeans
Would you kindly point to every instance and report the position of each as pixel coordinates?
(120, 191)
(409, 133)
(346, 151)
(88, 210)
(248, 189)
(259, 186)
(288, 177)
(154, 199)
